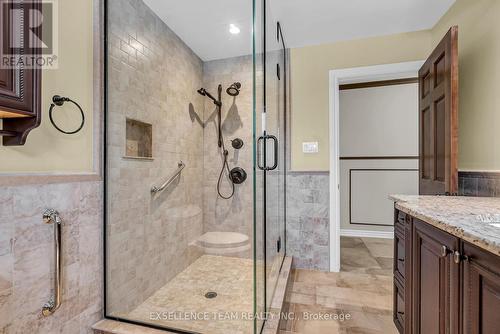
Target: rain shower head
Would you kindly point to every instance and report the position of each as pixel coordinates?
(234, 89)
(202, 91)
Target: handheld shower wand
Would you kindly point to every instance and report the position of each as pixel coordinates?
(220, 142)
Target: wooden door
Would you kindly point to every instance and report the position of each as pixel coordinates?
(438, 118)
(435, 281)
(481, 292)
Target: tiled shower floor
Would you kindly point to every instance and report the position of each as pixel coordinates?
(232, 280)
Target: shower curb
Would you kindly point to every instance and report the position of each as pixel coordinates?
(107, 326)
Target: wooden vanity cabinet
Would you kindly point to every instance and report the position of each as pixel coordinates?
(481, 293)
(435, 280)
(449, 286)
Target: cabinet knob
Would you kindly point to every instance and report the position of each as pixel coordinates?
(457, 257)
(444, 251)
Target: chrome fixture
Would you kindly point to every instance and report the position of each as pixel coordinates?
(51, 216)
(180, 167)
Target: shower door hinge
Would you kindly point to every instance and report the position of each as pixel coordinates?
(278, 245)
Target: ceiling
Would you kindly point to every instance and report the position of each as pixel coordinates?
(328, 21)
(204, 24)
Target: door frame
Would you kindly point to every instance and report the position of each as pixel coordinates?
(347, 76)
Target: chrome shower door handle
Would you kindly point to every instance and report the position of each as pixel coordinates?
(51, 216)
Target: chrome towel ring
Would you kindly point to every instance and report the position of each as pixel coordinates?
(59, 101)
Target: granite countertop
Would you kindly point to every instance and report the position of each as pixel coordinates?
(473, 219)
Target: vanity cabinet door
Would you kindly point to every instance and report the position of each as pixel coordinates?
(481, 291)
(435, 281)
(408, 273)
(20, 86)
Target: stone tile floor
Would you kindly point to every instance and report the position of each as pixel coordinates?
(322, 302)
(181, 304)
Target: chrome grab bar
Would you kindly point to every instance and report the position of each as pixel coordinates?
(180, 167)
(51, 216)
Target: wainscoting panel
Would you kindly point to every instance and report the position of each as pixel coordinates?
(368, 191)
(365, 185)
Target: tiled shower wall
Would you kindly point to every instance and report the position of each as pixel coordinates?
(153, 78)
(235, 214)
(26, 257)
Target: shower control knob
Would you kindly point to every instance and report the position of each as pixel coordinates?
(237, 143)
(238, 175)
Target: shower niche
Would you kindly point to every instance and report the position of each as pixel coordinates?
(139, 139)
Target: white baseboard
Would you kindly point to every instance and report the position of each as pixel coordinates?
(367, 234)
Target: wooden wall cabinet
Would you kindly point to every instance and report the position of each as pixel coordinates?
(449, 286)
(20, 86)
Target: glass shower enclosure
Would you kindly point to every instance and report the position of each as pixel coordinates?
(196, 111)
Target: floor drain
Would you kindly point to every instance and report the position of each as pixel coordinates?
(210, 295)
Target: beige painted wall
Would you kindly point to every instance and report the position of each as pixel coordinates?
(479, 52)
(479, 75)
(47, 150)
(310, 68)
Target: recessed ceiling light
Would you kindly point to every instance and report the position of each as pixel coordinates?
(234, 29)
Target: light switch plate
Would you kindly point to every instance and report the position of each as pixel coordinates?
(310, 147)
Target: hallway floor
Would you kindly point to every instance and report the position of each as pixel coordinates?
(366, 255)
(356, 300)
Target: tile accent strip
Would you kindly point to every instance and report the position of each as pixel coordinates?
(479, 184)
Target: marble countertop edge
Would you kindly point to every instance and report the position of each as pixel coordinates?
(458, 216)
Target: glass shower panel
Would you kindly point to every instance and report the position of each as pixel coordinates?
(274, 152)
(184, 200)
(259, 174)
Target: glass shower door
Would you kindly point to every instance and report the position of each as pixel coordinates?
(274, 154)
(259, 173)
(270, 136)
